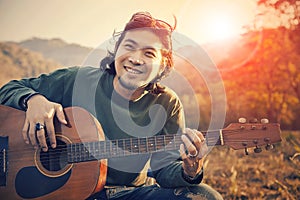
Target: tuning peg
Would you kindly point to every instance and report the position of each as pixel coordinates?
(264, 121)
(254, 120)
(242, 120)
(257, 149)
(269, 147)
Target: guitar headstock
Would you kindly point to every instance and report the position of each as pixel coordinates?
(244, 135)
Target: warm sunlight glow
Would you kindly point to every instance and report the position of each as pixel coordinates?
(221, 27)
(215, 19)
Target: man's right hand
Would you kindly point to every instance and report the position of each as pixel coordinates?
(42, 111)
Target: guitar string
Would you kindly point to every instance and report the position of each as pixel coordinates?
(214, 139)
(114, 151)
(209, 139)
(83, 158)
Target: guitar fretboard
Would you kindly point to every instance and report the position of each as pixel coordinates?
(82, 152)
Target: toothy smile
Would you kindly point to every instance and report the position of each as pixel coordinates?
(131, 70)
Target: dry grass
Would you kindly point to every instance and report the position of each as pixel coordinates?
(273, 174)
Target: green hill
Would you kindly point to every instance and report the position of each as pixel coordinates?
(17, 62)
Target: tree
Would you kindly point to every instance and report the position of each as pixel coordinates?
(286, 12)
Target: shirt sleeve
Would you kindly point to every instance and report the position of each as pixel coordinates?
(49, 85)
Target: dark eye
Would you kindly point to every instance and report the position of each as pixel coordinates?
(129, 46)
(150, 54)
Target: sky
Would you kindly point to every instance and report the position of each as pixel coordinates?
(91, 22)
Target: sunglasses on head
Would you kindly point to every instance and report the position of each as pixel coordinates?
(145, 16)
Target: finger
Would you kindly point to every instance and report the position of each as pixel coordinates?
(203, 150)
(187, 162)
(25, 132)
(32, 135)
(60, 114)
(189, 145)
(182, 152)
(42, 139)
(201, 136)
(51, 132)
(194, 136)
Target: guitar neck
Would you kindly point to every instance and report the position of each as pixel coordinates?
(83, 152)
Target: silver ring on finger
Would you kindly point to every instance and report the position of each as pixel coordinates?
(193, 155)
(39, 126)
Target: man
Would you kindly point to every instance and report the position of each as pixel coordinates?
(128, 101)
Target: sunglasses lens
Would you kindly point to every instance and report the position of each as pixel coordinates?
(146, 17)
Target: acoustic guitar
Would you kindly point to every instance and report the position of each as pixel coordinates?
(77, 168)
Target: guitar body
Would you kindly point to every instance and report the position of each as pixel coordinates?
(27, 173)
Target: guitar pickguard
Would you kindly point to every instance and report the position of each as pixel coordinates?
(31, 183)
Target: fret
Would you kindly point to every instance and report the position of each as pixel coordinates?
(94, 149)
(170, 142)
(128, 146)
(131, 146)
(107, 149)
(159, 143)
(114, 149)
(111, 148)
(146, 143)
(86, 152)
(138, 145)
(75, 153)
(76, 148)
(164, 142)
(134, 142)
(155, 144)
(70, 153)
(81, 152)
(143, 145)
(175, 142)
(117, 149)
(92, 156)
(124, 147)
(178, 141)
(101, 149)
(72, 150)
(151, 144)
(121, 146)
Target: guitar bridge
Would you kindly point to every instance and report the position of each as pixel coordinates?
(3, 160)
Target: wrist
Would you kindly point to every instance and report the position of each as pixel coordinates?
(187, 177)
(25, 100)
(192, 180)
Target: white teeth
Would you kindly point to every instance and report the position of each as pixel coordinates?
(132, 71)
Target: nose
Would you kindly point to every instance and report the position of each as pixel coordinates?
(135, 59)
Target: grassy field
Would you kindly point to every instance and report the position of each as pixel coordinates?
(273, 174)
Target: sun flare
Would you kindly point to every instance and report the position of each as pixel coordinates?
(221, 27)
(207, 21)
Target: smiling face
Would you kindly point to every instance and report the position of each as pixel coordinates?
(138, 60)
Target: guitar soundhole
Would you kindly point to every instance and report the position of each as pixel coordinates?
(54, 159)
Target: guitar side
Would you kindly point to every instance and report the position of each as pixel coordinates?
(26, 175)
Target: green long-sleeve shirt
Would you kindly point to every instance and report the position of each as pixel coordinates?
(150, 115)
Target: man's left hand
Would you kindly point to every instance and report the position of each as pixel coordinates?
(192, 151)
